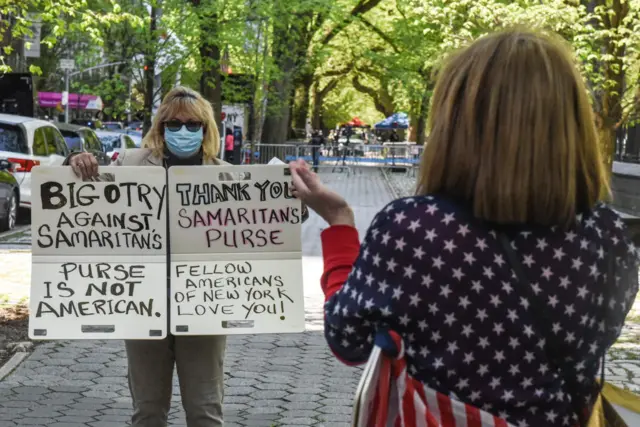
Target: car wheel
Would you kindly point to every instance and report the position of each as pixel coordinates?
(11, 215)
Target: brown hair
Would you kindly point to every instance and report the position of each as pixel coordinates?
(512, 134)
(182, 99)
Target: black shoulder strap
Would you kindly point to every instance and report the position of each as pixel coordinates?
(543, 327)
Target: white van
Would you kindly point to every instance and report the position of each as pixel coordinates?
(27, 142)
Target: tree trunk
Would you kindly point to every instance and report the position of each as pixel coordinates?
(211, 79)
(149, 72)
(610, 112)
(276, 124)
(316, 112)
(608, 145)
(319, 95)
(421, 128)
(210, 55)
(302, 108)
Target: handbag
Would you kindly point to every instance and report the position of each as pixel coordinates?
(604, 413)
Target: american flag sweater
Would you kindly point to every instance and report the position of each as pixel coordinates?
(430, 271)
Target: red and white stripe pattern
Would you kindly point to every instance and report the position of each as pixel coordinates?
(389, 397)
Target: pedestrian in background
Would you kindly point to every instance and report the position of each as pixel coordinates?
(184, 132)
(317, 141)
(506, 277)
(228, 145)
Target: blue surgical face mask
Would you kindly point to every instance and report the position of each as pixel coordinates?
(183, 143)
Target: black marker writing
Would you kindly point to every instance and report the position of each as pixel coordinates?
(71, 308)
(229, 289)
(225, 217)
(46, 238)
(274, 190)
(243, 238)
(204, 194)
(54, 195)
(207, 194)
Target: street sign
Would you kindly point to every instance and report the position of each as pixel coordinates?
(65, 98)
(67, 64)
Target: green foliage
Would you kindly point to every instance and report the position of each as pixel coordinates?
(348, 57)
(61, 17)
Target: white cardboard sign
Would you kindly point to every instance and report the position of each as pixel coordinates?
(99, 254)
(236, 253)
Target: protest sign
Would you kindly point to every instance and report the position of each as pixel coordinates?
(236, 260)
(99, 254)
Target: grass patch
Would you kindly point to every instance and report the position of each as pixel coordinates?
(14, 237)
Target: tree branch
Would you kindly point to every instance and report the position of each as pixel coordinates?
(379, 32)
(328, 88)
(372, 93)
(334, 73)
(361, 8)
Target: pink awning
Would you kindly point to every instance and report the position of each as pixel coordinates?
(76, 101)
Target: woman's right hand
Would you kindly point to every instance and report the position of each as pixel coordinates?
(84, 165)
(325, 202)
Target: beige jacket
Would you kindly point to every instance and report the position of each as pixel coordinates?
(144, 157)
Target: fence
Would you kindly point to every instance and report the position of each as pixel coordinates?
(389, 155)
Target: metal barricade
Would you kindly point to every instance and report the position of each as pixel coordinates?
(381, 156)
(339, 158)
(263, 153)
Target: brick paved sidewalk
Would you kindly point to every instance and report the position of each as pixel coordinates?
(271, 380)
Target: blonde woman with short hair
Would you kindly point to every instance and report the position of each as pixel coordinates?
(505, 276)
(184, 132)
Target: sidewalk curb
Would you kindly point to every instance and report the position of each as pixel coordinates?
(12, 363)
(392, 190)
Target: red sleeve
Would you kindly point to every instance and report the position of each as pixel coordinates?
(340, 249)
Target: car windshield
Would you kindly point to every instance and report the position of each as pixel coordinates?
(108, 141)
(73, 140)
(11, 138)
(112, 126)
(92, 140)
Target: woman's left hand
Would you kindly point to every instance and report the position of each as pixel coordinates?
(309, 189)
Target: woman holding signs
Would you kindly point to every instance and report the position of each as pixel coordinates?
(184, 132)
(505, 276)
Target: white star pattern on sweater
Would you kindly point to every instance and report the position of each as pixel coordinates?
(444, 284)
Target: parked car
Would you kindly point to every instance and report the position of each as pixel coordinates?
(84, 122)
(9, 196)
(27, 142)
(81, 138)
(137, 125)
(112, 125)
(135, 135)
(114, 143)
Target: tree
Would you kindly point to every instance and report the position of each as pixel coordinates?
(62, 17)
(607, 49)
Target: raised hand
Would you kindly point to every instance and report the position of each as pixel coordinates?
(312, 192)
